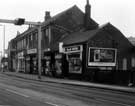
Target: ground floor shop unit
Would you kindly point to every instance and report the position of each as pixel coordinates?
(103, 54)
(31, 61)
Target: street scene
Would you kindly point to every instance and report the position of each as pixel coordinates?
(70, 57)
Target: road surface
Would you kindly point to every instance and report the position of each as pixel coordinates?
(21, 92)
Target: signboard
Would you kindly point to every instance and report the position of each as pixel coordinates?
(20, 55)
(31, 51)
(102, 56)
(72, 49)
(58, 56)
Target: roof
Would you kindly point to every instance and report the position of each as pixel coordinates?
(132, 40)
(79, 37)
(74, 38)
(116, 34)
(72, 19)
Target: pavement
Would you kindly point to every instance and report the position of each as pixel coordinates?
(71, 82)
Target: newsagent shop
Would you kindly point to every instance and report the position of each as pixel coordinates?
(101, 50)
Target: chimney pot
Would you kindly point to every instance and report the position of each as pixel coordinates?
(47, 15)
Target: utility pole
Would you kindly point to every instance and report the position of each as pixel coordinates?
(21, 21)
(39, 51)
(3, 39)
(0, 59)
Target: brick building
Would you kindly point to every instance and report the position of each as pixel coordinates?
(73, 45)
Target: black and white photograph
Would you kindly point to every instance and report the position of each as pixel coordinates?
(67, 53)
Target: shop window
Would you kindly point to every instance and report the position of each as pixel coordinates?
(74, 60)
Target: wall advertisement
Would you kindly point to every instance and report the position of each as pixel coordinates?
(102, 56)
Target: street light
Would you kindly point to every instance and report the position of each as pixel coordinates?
(0, 58)
(21, 21)
(3, 39)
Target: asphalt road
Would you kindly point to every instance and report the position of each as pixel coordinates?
(20, 92)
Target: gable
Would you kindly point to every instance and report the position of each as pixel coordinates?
(72, 19)
(116, 35)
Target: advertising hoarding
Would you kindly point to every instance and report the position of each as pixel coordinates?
(102, 56)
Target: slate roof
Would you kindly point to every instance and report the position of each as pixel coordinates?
(72, 18)
(74, 38)
(132, 40)
(79, 37)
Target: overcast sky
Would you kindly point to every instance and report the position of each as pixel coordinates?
(121, 13)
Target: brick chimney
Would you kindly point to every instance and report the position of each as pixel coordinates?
(47, 15)
(87, 14)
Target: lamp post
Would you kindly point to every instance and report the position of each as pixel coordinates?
(21, 21)
(3, 39)
(0, 58)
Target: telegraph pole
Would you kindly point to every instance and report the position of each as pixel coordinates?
(21, 21)
(39, 51)
(3, 39)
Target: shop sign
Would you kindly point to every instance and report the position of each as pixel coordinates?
(58, 56)
(72, 49)
(47, 57)
(102, 56)
(31, 51)
(20, 55)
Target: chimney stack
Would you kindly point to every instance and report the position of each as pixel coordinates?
(47, 15)
(18, 33)
(87, 14)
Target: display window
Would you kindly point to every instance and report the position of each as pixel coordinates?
(47, 64)
(74, 58)
(58, 63)
(75, 62)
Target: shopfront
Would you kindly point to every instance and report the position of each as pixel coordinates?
(31, 61)
(74, 58)
(47, 60)
(20, 62)
(58, 63)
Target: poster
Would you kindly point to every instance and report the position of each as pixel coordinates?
(102, 56)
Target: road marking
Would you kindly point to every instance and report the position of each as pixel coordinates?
(12, 91)
(51, 104)
(103, 100)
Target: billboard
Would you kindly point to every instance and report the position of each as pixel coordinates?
(102, 56)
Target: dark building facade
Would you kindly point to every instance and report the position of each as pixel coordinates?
(73, 44)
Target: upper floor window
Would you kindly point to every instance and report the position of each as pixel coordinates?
(47, 32)
(124, 64)
(133, 61)
(24, 42)
(31, 37)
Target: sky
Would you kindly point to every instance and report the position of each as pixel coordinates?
(120, 13)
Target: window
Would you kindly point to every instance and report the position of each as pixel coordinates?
(75, 63)
(31, 37)
(133, 61)
(124, 64)
(47, 32)
(24, 42)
